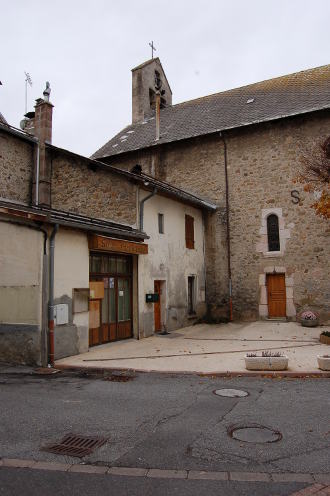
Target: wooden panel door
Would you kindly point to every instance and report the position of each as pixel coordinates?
(276, 295)
(94, 322)
(157, 309)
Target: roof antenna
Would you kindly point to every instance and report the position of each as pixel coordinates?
(27, 80)
(153, 49)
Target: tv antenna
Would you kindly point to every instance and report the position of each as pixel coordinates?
(153, 49)
(28, 80)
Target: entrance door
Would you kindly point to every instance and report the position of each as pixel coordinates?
(114, 272)
(276, 295)
(157, 307)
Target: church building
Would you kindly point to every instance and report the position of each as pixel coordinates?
(267, 252)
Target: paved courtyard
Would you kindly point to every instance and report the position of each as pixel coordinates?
(208, 349)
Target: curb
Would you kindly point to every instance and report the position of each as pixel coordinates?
(262, 373)
(165, 473)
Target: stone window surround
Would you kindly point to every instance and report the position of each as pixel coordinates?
(263, 303)
(284, 234)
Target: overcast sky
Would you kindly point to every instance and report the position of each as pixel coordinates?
(87, 48)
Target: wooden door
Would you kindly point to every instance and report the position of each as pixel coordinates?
(157, 308)
(276, 295)
(94, 322)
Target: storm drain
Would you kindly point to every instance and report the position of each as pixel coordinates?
(254, 433)
(231, 393)
(78, 446)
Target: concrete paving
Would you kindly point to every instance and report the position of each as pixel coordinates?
(208, 349)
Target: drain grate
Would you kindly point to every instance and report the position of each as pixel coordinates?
(78, 446)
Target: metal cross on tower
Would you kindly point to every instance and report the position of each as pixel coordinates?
(153, 49)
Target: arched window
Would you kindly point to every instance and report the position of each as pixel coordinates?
(273, 233)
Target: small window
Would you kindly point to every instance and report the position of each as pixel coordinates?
(273, 233)
(161, 223)
(190, 236)
(191, 295)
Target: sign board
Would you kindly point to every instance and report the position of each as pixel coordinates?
(117, 245)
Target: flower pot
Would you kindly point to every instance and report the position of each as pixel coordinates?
(324, 339)
(309, 322)
(266, 363)
(323, 362)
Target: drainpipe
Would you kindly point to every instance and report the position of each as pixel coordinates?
(142, 206)
(37, 175)
(51, 295)
(228, 228)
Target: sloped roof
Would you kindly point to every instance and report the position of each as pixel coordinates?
(2, 119)
(284, 96)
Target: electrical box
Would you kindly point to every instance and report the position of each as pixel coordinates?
(61, 314)
(152, 297)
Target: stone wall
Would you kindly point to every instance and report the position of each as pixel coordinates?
(96, 193)
(16, 162)
(263, 161)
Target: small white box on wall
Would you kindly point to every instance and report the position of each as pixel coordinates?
(61, 314)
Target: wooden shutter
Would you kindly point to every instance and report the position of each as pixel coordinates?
(190, 237)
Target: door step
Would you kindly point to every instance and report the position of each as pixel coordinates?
(277, 319)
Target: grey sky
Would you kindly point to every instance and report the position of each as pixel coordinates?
(86, 49)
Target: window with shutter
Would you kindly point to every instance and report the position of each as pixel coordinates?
(190, 236)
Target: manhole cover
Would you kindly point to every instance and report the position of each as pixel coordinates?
(231, 393)
(78, 446)
(254, 433)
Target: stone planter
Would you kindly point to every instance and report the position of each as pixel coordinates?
(324, 339)
(266, 363)
(309, 322)
(323, 362)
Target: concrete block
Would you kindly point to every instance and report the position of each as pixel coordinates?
(18, 463)
(269, 269)
(249, 476)
(263, 295)
(167, 474)
(88, 469)
(60, 467)
(128, 471)
(290, 309)
(280, 269)
(201, 475)
(262, 279)
(289, 293)
(263, 310)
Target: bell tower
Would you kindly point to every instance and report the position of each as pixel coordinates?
(147, 79)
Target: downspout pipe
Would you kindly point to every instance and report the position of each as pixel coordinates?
(141, 207)
(230, 288)
(37, 175)
(51, 296)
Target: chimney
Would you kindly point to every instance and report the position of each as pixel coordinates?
(144, 89)
(43, 131)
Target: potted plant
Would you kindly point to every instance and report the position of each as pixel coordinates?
(309, 319)
(323, 362)
(325, 337)
(267, 361)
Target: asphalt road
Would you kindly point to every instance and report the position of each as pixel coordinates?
(165, 422)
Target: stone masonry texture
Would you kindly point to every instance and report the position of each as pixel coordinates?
(16, 162)
(100, 194)
(263, 163)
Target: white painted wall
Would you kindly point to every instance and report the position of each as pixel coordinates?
(170, 261)
(20, 274)
(71, 271)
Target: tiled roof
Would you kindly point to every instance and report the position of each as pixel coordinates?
(285, 96)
